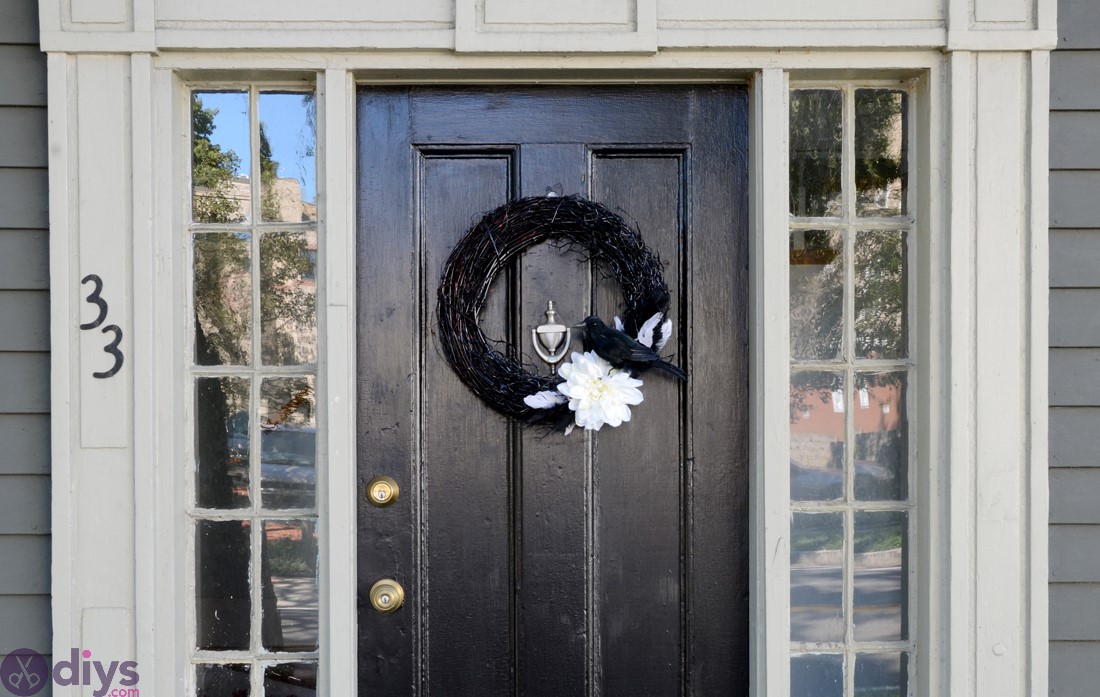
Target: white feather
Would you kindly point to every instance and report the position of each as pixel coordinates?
(618, 323)
(645, 333)
(569, 429)
(545, 399)
(666, 334)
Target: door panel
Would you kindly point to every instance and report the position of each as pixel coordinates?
(613, 564)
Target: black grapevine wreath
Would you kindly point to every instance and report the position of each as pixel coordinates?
(595, 387)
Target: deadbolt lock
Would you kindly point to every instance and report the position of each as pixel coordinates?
(387, 595)
(382, 491)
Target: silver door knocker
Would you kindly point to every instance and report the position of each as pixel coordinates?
(552, 339)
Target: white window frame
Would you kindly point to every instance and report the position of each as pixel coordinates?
(962, 645)
(254, 373)
(910, 363)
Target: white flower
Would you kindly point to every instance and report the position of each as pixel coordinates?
(598, 394)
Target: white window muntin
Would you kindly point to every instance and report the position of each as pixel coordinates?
(848, 402)
(256, 227)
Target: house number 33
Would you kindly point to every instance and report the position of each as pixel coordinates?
(95, 298)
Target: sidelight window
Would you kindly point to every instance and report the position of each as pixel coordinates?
(851, 457)
(254, 616)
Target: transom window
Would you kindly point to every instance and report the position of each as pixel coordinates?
(851, 459)
(253, 503)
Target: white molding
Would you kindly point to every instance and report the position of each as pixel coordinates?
(337, 368)
(540, 27)
(788, 37)
(1036, 463)
(1002, 40)
(958, 549)
(769, 447)
(435, 67)
(929, 320)
(64, 597)
(98, 41)
(147, 431)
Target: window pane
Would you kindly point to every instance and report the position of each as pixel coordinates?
(291, 680)
(290, 585)
(222, 680)
(219, 157)
(817, 675)
(817, 436)
(879, 594)
(288, 166)
(223, 605)
(881, 303)
(881, 140)
(817, 294)
(817, 577)
(223, 298)
(288, 443)
(882, 675)
(288, 298)
(815, 152)
(881, 429)
(221, 442)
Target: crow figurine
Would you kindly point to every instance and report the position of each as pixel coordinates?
(619, 349)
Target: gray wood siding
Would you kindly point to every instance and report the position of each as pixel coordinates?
(1075, 353)
(25, 619)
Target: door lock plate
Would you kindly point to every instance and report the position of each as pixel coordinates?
(382, 491)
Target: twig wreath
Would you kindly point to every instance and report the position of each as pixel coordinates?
(607, 371)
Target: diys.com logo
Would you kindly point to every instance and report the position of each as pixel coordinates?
(25, 672)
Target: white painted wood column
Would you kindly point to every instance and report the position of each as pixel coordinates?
(996, 467)
(92, 207)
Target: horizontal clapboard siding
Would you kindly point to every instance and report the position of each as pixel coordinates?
(1075, 353)
(1073, 258)
(25, 618)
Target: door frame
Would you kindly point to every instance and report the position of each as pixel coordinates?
(946, 326)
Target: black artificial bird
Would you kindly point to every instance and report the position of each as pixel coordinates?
(619, 349)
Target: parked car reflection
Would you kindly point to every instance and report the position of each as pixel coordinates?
(873, 482)
(288, 459)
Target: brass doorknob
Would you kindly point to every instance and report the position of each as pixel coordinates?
(382, 491)
(387, 595)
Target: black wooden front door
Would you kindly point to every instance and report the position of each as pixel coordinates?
(615, 564)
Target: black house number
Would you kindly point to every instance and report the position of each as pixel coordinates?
(95, 298)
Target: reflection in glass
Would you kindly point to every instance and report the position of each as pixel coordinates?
(290, 585)
(288, 443)
(223, 298)
(223, 680)
(221, 442)
(880, 674)
(817, 294)
(288, 298)
(220, 191)
(881, 144)
(817, 577)
(291, 680)
(881, 429)
(817, 675)
(223, 604)
(881, 307)
(879, 598)
(817, 435)
(288, 165)
(815, 152)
